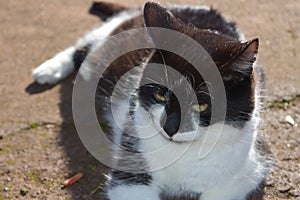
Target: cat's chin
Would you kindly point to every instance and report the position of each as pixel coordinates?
(182, 137)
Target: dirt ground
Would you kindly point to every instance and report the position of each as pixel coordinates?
(39, 147)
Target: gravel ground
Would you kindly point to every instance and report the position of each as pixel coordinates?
(39, 147)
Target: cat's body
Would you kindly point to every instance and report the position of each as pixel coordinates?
(234, 169)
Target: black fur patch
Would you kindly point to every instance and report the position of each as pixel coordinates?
(239, 101)
(80, 55)
(186, 195)
(207, 19)
(120, 177)
(105, 10)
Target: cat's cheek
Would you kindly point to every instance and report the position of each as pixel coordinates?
(142, 117)
(149, 118)
(157, 114)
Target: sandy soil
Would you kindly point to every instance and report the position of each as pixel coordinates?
(39, 147)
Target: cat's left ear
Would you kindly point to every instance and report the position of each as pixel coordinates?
(157, 16)
(242, 62)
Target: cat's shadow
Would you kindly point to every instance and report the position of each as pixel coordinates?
(35, 88)
(79, 159)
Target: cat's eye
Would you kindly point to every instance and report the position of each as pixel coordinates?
(200, 107)
(160, 97)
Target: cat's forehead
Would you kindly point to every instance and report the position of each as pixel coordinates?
(182, 81)
(173, 71)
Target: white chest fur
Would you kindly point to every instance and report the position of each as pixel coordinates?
(229, 171)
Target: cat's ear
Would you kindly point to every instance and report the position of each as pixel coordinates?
(242, 61)
(157, 16)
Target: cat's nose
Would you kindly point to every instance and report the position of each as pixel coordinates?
(170, 130)
(172, 123)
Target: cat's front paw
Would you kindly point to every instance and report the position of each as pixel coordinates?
(48, 73)
(54, 69)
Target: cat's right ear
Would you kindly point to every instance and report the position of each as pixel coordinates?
(157, 16)
(243, 58)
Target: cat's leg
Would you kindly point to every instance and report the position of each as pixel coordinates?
(122, 185)
(56, 68)
(65, 62)
(132, 192)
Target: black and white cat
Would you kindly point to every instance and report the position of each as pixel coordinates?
(235, 167)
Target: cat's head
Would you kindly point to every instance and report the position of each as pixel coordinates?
(182, 119)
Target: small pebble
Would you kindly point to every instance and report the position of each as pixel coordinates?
(5, 189)
(270, 183)
(284, 188)
(290, 120)
(294, 193)
(23, 191)
(49, 126)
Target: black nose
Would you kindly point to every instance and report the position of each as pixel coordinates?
(172, 123)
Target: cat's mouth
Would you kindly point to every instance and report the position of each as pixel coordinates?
(182, 137)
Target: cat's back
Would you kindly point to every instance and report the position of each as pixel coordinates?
(204, 17)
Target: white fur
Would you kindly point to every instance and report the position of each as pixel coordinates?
(98, 36)
(101, 33)
(133, 192)
(229, 171)
(119, 116)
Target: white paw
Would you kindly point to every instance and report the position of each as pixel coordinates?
(50, 72)
(55, 69)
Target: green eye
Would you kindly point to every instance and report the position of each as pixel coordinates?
(200, 107)
(160, 97)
